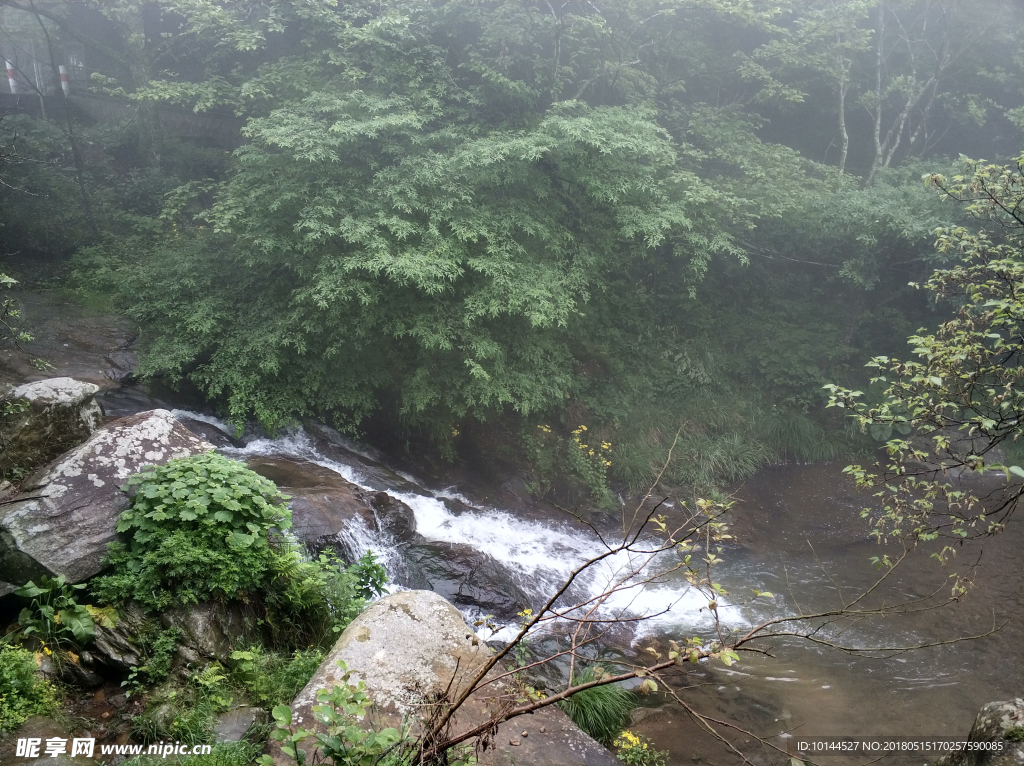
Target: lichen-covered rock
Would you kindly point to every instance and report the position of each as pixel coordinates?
(43, 419)
(1000, 724)
(66, 513)
(413, 647)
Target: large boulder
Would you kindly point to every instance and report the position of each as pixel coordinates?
(1001, 726)
(66, 513)
(412, 648)
(41, 420)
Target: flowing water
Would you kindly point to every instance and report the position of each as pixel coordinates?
(801, 538)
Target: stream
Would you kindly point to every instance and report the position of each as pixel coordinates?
(800, 537)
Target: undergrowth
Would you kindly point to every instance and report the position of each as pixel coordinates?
(22, 692)
(600, 711)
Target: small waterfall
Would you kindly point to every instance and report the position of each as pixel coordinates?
(538, 555)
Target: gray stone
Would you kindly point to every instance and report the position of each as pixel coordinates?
(66, 513)
(411, 649)
(999, 723)
(49, 417)
(468, 578)
(210, 433)
(209, 631)
(118, 648)
(234, 725)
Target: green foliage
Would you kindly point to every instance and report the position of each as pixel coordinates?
(184, 714)
(552, 456)
(270, 677)
(371, 578)
(55, 620)
(198, 528)
(600, 711)
(159, 646)
(308, 602)
(344, 741)
(10, 315)
(22, 692)
(958, 399)
(636, 750)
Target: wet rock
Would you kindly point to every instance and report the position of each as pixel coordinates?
(80, 674)
(325, 506)
(439, 655)
(234, 725)
(67, 511)
(467, 577)
(999, 723)
(393, 517)
(215, 436)
(369, 462)
(118, 648)
(122, 365)
(47, 417)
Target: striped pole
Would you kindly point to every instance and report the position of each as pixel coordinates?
(11, 80)
(65, 85)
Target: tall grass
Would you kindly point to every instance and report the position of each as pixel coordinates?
(601, 711)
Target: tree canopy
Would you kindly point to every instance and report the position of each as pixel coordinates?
(462, 211)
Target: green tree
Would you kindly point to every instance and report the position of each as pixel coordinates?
(957, 405)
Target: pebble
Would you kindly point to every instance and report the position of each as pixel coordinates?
(515, 742)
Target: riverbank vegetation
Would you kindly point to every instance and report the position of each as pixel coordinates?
(454, 222)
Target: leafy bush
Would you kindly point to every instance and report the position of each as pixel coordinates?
(345, 741)
(308, 602)
(22, 692)
(185, 715)
(159, 646)
(199, 528)
(271, 677)
(55, 619)
(600, 711)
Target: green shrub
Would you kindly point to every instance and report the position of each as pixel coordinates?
(159, 646)
(22, 692)
(55, 619)
(308, 602)
(269, 678)
(198, 528)
(346, 741)
(601, 711)
(184, 714)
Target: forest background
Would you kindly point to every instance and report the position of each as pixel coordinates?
(550, 233)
